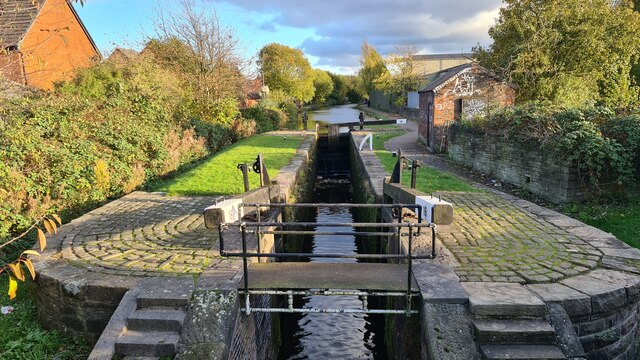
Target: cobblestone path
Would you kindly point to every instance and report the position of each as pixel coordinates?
(143, 234)
(496, 241)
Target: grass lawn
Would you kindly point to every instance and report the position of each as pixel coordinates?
(428, 179)
(219, 174)
(21, 336)
(619, 217)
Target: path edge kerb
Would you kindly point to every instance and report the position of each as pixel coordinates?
(78, 301)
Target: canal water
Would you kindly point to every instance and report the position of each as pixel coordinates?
(332, 336)
(333, 115)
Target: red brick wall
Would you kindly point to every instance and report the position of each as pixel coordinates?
(11, 67)
(476, 88)
(55, 46)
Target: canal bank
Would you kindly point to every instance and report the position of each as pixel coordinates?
(515, 280)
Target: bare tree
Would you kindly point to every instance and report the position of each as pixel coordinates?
(208, 52)
(402, 77)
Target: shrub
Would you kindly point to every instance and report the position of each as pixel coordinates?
(97, 137)
(265, 119)
(626, 131)
(243, 128)
(600, 144)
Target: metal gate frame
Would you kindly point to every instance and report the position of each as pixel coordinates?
(396, 226)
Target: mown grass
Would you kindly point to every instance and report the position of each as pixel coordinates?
(428, 179)
(22, 337)
(620, 216)
(219, 174)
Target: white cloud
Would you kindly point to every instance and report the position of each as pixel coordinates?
(340, 26)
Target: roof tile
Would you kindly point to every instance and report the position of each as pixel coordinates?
(16, 17)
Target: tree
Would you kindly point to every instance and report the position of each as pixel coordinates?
(400, 79)
(323, 84)
(207, 53)
(286, 69)
(373, 69)
(338, 95)
(571, 52)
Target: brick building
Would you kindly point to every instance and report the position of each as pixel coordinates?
(42, 42)
(462, 91)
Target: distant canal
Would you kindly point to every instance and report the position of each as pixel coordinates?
(332, 336)
(333, 115)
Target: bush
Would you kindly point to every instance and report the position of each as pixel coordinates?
(243, 128)
(266, 119)
(599, 143)
(97, 137)
(626, 131)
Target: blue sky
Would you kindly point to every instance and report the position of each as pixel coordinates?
(329, 32)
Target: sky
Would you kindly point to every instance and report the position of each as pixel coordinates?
(329, 32)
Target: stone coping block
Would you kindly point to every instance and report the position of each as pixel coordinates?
(630, 282)
(503, 300)
(439, 284)
(605, 296)
(576, 303)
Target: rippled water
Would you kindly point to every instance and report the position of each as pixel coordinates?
(332, 336)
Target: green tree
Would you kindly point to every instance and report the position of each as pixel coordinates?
(323, 85)
(571, 52)
(286, 69)
(401, 78)
(339, 94)
(373, 69)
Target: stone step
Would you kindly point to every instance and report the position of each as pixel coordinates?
(514, 331)
(503, 300)
(164, 300)
(522, 352)
(138, 343)
(141, 358)
(156, 320)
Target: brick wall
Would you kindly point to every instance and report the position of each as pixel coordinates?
(528, 168)
(11, 67)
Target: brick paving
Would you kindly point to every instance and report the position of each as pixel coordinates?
(143, 234)
(494, 240)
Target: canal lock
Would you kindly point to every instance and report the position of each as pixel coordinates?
(335, 178)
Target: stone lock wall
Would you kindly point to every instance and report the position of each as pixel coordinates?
(529, 168)
(612, 334)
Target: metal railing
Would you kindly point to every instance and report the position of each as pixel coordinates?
(256, 228)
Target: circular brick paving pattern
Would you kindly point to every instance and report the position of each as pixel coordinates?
(496, 241)
(143, 234)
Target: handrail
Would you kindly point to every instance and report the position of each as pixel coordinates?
(408, 256)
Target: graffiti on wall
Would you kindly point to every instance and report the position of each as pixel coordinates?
(444, 105)
(474, 107)
(464, 86)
